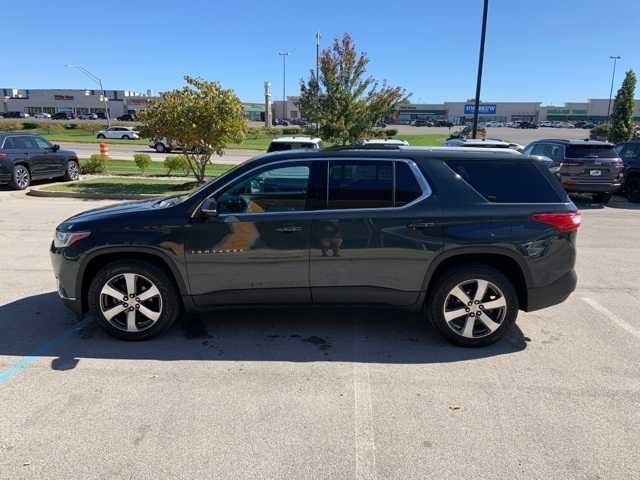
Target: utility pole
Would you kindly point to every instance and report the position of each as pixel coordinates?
(284, 56)
(318, 76)
(615, 58)
(480, 61)
(99, 82)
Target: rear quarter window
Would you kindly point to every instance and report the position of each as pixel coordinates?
(505, 181)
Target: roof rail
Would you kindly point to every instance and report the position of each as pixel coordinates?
(372, 146)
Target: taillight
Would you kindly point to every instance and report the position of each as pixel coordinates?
(3, 154)
(565, 222)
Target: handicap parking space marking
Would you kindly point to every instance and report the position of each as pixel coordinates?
(612, 316)
(39, 352)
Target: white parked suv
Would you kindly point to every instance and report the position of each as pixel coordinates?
(124, 133)
(483, 143)
(386, 141)
(292, 143)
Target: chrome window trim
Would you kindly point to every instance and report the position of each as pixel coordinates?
(422, 182)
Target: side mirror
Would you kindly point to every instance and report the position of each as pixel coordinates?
(55, 147)
(209, 207)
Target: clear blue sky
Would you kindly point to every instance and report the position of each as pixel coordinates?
(543, 50)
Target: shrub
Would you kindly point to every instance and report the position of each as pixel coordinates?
(176, 163)
(143, 161)
(30, 125)
(599, 132)
(92, 127)
(70, 126)
(391, 132)
(10, 125)
(53, 127)
(96, 164)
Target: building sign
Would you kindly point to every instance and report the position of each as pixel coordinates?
(558, 111)
(486, 109)
(63, 97)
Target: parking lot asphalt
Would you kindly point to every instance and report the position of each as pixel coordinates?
(309, 393)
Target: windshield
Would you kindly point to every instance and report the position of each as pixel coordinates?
(591, 151)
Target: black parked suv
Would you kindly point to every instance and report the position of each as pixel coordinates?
(468, 237)
(584, 166)
(630, 154)
(25, 157)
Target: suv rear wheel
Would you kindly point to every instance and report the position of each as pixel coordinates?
(473, 305)
(134, 300)
(73, 171)
(21, 177)
(601, 197)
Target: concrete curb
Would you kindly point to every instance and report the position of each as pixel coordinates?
(92, 196)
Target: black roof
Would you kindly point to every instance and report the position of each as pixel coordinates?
(569, 141)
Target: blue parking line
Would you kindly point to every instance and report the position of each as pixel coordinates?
(26, 361)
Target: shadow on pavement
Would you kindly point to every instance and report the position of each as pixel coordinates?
(585, 202)
(30, 326)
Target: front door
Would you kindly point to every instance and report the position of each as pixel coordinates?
(53, 163)
(256, 250)
(378, 235)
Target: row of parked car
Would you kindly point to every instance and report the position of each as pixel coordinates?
(127, 117)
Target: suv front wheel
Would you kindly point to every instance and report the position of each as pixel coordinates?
(134, 300)
(473, 306)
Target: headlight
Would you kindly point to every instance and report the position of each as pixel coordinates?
(66, 239)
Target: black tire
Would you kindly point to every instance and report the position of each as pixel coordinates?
(72, 173)
(602, 198)
(440, 299)
(20, 177)
(160, 147)
(100, 135)
(125, 137)
(632, 188)
(167, 300)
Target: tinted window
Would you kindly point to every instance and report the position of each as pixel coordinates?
(507, 181)
(366, 184)
(42, 143)
(278, 189)
(407, 187)
(630, 151)
(590, 151)
(20, 143)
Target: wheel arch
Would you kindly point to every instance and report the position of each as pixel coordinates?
(92, 265)
(504, 261)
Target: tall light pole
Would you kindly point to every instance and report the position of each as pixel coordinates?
(284, 56)
(615, 58)
(99, 82)
(480, 61)
(318, 77)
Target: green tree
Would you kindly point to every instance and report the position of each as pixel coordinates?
(622, 116)
(345, 101)
(202, 118)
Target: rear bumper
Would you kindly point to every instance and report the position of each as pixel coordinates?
(552, 294)
(592, 187)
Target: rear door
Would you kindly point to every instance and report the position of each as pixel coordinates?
(376, 235)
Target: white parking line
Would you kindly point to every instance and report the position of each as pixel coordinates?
(364, 435)
(612, 316)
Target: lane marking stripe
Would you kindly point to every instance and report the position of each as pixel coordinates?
(26, 361)
(612, 316)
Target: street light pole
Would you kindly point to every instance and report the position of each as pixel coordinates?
(480, 62)
(615, 58)
(284, 83)
(318, 77)
(99, 82)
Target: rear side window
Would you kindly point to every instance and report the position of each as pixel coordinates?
(407, 187)
(518, 181)
(591, 151)
(360, 184)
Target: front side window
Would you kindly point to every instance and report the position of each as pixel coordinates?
(361, 184)
(631, 151)
(42, 143)
(277, 189)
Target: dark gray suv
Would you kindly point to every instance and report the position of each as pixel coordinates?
(584, 166)
(25, 157)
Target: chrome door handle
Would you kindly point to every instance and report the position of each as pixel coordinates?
(288, 229)
(420, 225)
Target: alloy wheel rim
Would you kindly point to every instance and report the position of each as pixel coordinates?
(22, 177)
(72, 169)
(130, 302)
(475, 308)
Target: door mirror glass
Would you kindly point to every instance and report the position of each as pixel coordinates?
(209, 207)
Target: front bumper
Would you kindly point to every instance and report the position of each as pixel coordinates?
(552, 294)
(65, 271)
